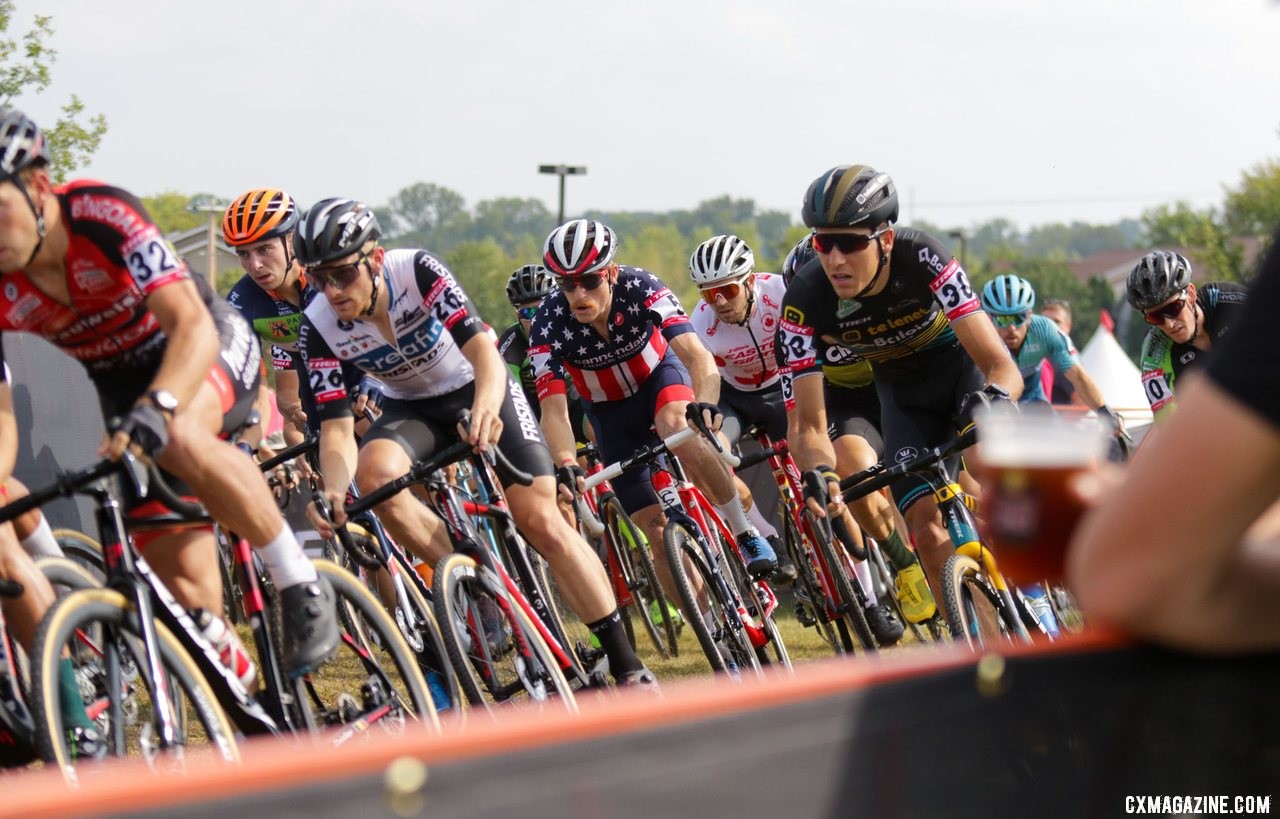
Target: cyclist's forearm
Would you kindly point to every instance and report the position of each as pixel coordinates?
(557, 429)
(810, 447)
(1086, 387)
(338, 453)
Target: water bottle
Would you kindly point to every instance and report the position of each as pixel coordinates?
(230, 650)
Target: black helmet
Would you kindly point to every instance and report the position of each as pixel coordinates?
(1158, 276)
(529, 283)
(799, 258)
(332, 229)
(21, 143)
(850, 196)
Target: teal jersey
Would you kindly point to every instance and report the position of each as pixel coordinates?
(1043, 340)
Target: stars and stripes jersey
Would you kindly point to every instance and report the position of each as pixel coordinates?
(745, 354)
(902, 330)
(644, 315)
(116, 257)
(431, 319)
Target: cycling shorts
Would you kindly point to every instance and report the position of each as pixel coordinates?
(854, 411)
(743, 409)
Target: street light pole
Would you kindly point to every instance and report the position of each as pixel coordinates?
(959, 236)
(562, 171)
(211, 261)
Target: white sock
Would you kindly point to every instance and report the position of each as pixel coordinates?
(862, 570)
(285, 561)
(734, 516)
(757, 520)
(41, 542)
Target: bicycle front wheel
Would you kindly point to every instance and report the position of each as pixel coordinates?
(648, 599)
(499, 655)
(83, 550)
(708, 613)
(976, 611)
(852, 614)
(98, 630)
(374, 679)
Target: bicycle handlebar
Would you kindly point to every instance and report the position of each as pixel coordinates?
(648, 453)
(879, 476)
(147, 479)
(289, 453)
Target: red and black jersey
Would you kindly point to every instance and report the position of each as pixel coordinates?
(115, 259)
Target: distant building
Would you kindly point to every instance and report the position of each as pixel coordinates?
(1113, 266)
(193, 246)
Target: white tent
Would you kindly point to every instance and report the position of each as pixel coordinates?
(1117, 377)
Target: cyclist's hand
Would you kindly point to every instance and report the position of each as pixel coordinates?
(296, 416)
(1113, 419)
(485, 429)
(337, 502)
(366, 400)
(822, 491)
(570, 479)
(145, 430)
(989, 396)
(704, 413)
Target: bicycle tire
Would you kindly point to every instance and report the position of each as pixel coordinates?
(392, 690)
(852, 612)
(727, 649)
(517, 668)
(807, 581)
(566, 625)
(81, 549)
(433, 657)
(108, 615)
(642, 577)
(964, 589)
(774, 651)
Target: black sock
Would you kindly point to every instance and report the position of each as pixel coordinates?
(613, 639)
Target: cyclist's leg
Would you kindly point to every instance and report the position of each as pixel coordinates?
(22, 613)
(32, 528)
(399, 437)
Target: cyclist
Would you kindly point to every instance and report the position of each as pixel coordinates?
(850, 413)
(83, 265)
(258, 226)
(1059, 390)
(1187, 321)
(622, 337)
(1033, 339)
(402, 317)
(896, 297)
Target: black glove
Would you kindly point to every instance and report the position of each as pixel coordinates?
(147, 427)
(694, 411)
(1107, 416)
(815, 483)
(988, 396)
(373, 396)
(568, 475)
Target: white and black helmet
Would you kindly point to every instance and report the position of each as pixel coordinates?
(579, 247)
(333, 229)
(1157, 277)
(721, 258)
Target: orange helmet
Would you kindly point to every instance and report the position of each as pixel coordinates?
(262, 213)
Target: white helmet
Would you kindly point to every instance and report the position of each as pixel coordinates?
(721, 258)
(579, 247)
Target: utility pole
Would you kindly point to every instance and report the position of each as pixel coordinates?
(211, 250)
(959, 236)
(562, 171)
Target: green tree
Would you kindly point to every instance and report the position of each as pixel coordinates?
(1253, 208)
(426, 215)
(1217, 253)
(509, 221)
(172, 211)
(25, 70)
(482, 268)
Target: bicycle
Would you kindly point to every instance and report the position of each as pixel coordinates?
(628, 558)
(500, 647)
(979, 604)
(737, 631)
(837, 602)
(152, 678)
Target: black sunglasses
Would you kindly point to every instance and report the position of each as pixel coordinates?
(1169, 312)
(588, 282)
(341, 276)
(848, 243)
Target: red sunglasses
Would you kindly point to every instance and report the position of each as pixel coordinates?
(726, 291)
(1169, 312)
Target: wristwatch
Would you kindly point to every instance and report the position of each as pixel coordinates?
(164, 401)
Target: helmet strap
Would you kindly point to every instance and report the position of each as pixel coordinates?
(41, 227)
(1195, 321)
(373, 297)
(880, 268)
(751, 304)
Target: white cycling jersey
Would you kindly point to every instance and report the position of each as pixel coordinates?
(431, 318)
(745, 354)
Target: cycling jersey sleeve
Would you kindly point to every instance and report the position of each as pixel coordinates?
(1061, 352)
(446, 299)
(324, 374)
(118, 223)
(668, 314)
(950, 283)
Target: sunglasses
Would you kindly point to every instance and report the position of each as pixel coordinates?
(1005, 322)
(527, 313)
(727, 291)
(588, 282)
(1169, 312)
(340, 277)
(848, 243)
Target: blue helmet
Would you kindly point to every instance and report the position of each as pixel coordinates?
(1008, 295)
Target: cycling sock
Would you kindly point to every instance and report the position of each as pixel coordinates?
(734, 516)
(41, 542)
(862, 571)
(613, 638)
(757, 520)
(70, 700)
(899, 555)
(285, 561)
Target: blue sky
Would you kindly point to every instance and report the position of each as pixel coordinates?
(1029, 110)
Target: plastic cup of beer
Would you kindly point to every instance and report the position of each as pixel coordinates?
(1028, 462)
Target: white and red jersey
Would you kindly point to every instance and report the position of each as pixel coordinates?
(746, 354)
(643, 316)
